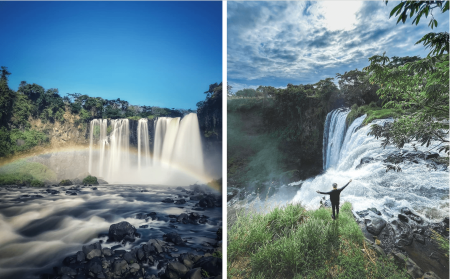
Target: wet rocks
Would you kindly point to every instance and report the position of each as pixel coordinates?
(175, 270)
(119, 231)
(167, 200)
(211, 265)
(365, 160)
(374, 225)
(181, 201)
(173, 237)
(411, 267)
(92, 251)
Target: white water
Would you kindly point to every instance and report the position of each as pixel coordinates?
(416, 186)
(177, 152)
(143, 144)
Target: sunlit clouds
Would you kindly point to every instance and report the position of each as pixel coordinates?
(275, 43)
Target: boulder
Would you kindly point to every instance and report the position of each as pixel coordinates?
(175, 270)
(212, 265)
(93, 251)
(119, 231)
(173, 237)
(430, 275)
(168, 200)
(120, 267)
(411, 267)
(181, 201)
(195, 273)
(375, 225)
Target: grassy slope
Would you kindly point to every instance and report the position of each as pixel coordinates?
(22, 171)
(291, 242)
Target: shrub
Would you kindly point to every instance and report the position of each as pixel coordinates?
(90, 180)
(65, 182)
(37, 183)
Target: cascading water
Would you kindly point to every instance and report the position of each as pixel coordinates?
(417, 186)
(143, 144)
(333, 137)
(177, 152)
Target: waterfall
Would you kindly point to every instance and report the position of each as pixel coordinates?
(177, 151)
(417, 186)
(143, 144)
(333, 138)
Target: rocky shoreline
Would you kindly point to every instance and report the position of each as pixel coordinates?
(407, 238)
(181, 237)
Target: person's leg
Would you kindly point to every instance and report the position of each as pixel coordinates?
(332, 206)
(337, 210)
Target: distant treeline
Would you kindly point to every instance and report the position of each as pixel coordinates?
(32, 101)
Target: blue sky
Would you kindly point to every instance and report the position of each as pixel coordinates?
(147, 53)
(276, 43)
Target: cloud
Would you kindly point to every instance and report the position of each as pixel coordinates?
(303, 42)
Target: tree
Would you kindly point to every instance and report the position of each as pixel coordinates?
(7, 97)
(356, 88)
(421, 86)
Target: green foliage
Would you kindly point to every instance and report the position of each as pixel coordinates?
(90, 180)
(134, 117)
(6, 97)
(373, 112)
(418, 9)
(209, 112)
(441, 242)
(25, 140)
(437, 42)
(422, 86)
(291, 242)
(356, 88)
(25, 171)
(217, 254)
(15, 179)
(21, 111)
(37, 183)
(65, 182)
(150, 117)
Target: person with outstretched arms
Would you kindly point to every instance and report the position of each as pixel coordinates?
(334, 197)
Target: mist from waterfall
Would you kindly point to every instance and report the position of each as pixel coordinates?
(176, 158)
(417, 186)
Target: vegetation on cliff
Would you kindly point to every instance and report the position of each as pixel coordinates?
(23, 172)
(291, 242)
(32, 102)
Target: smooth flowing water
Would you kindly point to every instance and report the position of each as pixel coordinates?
(37, 233)
(176, 158)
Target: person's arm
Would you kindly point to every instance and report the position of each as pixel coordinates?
(323, 193)
(345, 185)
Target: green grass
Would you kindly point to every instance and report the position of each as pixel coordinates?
(373, 112)
(25, 172)
(291, 242)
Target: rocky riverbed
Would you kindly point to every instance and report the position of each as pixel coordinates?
(113, 231)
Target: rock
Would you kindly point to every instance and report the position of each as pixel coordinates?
(182, 201)
(212, 265)
(379, 250)
(175, 270)
(208, 202)
(70, 260)
(129, 257)
(107, 252)
(362, 213)
(183, 218)
(375, 225)
(195, 273)
(93, 250)
(403, 218)
(419, 238)
(143, 226)
(141, 216)
(374, 210)
(430, 275)
(80, 256)
(119, 231)
(134, 268)
(365, 160)
(431, 155)
(140, 254)
(186, 259)
(174, 238)
(157, 244)
(120, 267)
(65, 270)
(168, 200)
(411, 267)
(94, 268)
